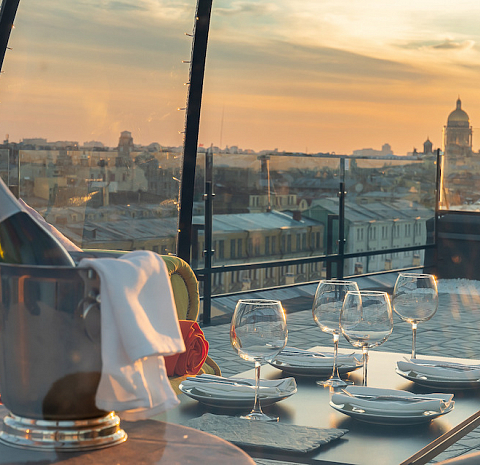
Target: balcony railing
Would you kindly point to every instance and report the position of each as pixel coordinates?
(383, 221)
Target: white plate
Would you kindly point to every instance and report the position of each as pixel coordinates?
(385, 419)
(435, 382)
(295, 367)
(232, 402)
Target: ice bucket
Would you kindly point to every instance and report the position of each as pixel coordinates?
(50, 359)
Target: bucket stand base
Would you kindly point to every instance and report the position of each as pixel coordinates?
(72, 435)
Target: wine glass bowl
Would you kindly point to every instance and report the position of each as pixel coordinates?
(366, 321)
(415, 299)
(258, 333)
(327, 305)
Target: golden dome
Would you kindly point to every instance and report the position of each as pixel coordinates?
(458, 116)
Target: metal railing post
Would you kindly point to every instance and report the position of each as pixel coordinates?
(208, 252)
(438, 184)
(341, 220)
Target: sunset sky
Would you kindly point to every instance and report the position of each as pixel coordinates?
(297, 75)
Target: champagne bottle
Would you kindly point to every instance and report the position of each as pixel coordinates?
(23, 240)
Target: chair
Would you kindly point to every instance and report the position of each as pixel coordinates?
(185, 292)
(187, 300)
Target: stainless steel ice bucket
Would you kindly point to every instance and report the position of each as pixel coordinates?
(50, 359)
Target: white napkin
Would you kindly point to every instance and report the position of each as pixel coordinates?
(304, 358)
(139, 325)
(376, 405)
(441, 370)
(268, 388)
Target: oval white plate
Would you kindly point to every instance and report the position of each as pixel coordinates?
(232, 402)
(433, 382)
(299, 370)
(385, 419)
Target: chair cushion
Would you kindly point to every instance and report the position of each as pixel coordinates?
(185, 287)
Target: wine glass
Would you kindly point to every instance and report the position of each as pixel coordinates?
(366, 321)
(415, 299)
(326, 313)
(258, 332)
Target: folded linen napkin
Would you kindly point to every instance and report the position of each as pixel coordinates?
(391, 401)
(305, 358)
(189, 362)
(138, 326)
(239, 388)
(441, 370)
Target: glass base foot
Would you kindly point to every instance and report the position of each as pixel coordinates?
(335, 382)
(255, 416)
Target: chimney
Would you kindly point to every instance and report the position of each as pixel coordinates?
(297, 215)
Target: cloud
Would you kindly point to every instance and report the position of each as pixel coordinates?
(284, 61)
(125, 6)
(449, 44)
(446, 44)
(246, 7)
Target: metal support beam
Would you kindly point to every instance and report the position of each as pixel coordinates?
(7, 16)
(192, 124)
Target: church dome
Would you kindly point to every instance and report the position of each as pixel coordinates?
(458, 116)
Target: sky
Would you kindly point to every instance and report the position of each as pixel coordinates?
(298, 75)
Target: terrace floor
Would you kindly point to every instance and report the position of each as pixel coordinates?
(454, 331)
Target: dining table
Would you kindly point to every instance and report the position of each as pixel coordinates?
(364, 443)
(149, 442)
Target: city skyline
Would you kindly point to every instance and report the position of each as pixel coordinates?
(298, 76)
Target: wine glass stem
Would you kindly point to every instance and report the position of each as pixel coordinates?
(414, 340)
(335, 374)
(365, 363)
(256, 405)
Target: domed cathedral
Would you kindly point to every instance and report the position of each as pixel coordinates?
(458, 133)
(460, 165)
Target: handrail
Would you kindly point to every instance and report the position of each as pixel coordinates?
(303, 260)
(444, 441)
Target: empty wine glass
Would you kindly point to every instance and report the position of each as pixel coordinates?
(258, 332)
(326, 313)
(415, 299)
(366, 321)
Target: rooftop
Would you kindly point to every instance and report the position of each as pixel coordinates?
(452, 332)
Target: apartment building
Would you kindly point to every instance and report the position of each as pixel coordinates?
(376, 226)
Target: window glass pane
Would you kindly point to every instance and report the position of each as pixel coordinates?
(306, 83)
(90, 91)
(393, 200)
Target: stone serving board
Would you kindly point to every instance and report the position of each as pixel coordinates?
(270, 435)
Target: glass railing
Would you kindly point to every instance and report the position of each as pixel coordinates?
(281, 219)
(390, 208)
